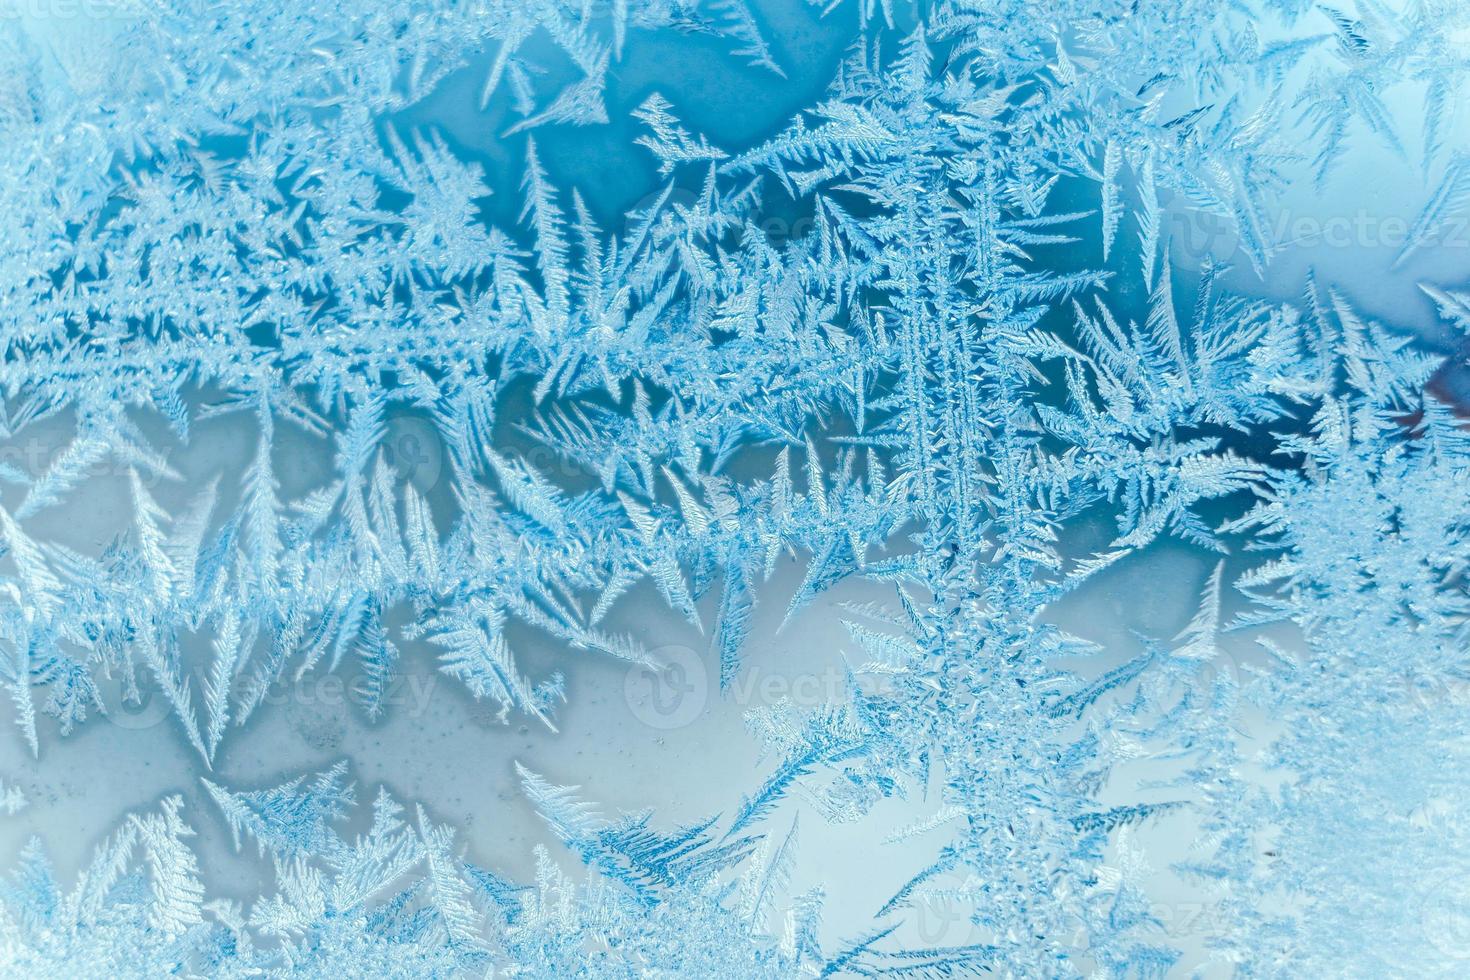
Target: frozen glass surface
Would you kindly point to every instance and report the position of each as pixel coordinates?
(734, 488)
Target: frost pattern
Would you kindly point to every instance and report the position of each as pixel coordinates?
(982, 351)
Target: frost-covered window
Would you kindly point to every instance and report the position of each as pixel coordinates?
(734, 488)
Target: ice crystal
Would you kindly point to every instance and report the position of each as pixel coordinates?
(983, 375)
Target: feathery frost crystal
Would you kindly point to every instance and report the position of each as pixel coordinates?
(927, 320)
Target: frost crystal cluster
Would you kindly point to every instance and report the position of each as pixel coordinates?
(983, 370)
